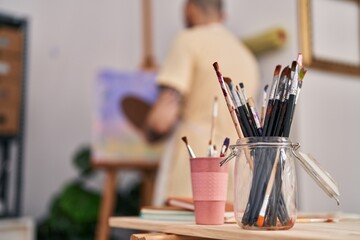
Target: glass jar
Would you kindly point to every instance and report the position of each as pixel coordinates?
(265, 183)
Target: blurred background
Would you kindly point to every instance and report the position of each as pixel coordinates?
(70, 42)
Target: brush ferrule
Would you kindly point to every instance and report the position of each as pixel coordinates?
(215, 109)
(264, 100)
(297, 95)
(273, 87)
(294, 84)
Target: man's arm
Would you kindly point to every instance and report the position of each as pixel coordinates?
(164, 115)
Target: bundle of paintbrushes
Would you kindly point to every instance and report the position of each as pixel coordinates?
(266, 206)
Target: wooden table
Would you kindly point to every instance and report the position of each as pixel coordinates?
(340, 230)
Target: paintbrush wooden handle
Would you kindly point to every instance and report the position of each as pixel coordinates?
(229, 102)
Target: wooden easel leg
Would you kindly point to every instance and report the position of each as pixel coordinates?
(147, 187)
(107, 205)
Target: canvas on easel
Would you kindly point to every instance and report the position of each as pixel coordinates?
(123, 100)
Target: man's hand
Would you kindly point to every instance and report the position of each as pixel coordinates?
(164, 114)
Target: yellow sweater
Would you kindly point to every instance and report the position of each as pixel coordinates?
(188, 68)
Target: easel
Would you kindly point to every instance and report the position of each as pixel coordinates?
(147, 168)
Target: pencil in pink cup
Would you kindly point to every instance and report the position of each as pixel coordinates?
(209, 187)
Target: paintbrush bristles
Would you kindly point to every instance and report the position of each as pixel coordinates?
(191, 152)
(266, 87)
(277, 70)
(217, 70)
(293, 66)
(234, 95)
(228, 81)
(302, 73)
(265, 95)
(285, 74)
(225, 147)
(301, 78)
(245, 98)
(242, 87)
(286, 71)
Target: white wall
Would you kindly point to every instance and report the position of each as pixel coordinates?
(71, 40)
(328, 118)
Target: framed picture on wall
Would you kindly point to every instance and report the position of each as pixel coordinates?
(330, 34)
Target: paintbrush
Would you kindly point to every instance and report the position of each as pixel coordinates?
(271, 98)
(293, 98)
(191, 152)
(225, 147)
(249, 114)
(243, 94)
(237, 103)
(255, 115)
(284, 97)
(212, 130)
(263, 107)
(275, 111)
(236, 100)
(228, 100)
(246, 108)
(231, 91)
(244, 117)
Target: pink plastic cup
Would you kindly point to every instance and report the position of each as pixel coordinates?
(209, 187)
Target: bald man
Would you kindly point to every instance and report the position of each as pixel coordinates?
(189, 85)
